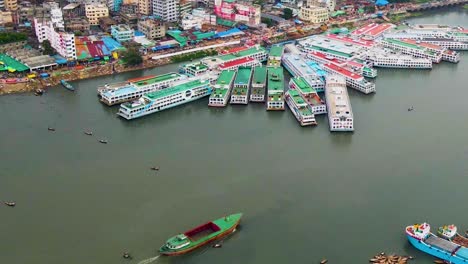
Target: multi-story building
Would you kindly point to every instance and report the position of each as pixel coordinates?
(328, 4)
(152, 28)
(73, 10)
(313, 14)
(114, 5)
(105, 23)
(76, 24)
(63, 43)
(5, 17)
(10, 5)
(238, 11)
(122, 33)
(129, 8)
(144, 7)
(167, 10)
(96, 11)
(185, 7)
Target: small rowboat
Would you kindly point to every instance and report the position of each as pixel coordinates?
(51, 129)
(103, 141)
(89, 133)
(11, 204)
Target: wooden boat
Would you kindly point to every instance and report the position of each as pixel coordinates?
(103, 141)
(450, 232)
(67, 85)
(51, 129)
(89, 133)
(11, 204)
(155, 168)
(201, 235)
(39, 92)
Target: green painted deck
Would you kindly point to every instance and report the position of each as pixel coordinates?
(334, 52)
(10, 63)
(300, 103)
(157, 79)
(303, 85)
(243, 53)
(219, 93)
(197, 67)
(176, 89)
(243, 76)
(404, 44)
(226, 77)
(276, 51)
(275, 84)
(259, 75)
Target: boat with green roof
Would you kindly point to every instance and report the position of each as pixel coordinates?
(222, 89)
(274, 55)
(258, 85)
(300, 108)
(240, 92)
(181, 93)
(309, 94)
(275, 86)
(201, 235)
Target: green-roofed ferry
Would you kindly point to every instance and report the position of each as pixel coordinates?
(201, 235)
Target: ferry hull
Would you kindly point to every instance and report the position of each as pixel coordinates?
(434, 251)
(221, 235)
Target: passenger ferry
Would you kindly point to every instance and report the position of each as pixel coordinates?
(275, 86)
(451, 56)
(332, 47)
(193, 69)
(340, 115)
(236, 64)
(413, 49)
(447, 55)
(240, 92)
(353, 80)
(354, 66)
(255, 53)
(392, 59)
(420, 236)
(257, 93)
(274, 56)
(181, 93)
(116, 93)
(300, 108)
(298, 67)
(309, 94)
(222, 89)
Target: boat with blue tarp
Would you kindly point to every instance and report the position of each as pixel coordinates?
(67, 85)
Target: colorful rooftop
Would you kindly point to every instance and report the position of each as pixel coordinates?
(90, 48)
(303, 86)
(7, 63)
(187, 36)
(225, 78)
(242, 53)
(276, 51)
(364, 29)
(361, 42)
(403, 43)
(112, 44)
(147, 80)
(237, 62)
(343, 71)
(243, 76)
(379, 30)
(423, 44)
(176, 89)
(259, 76)
(300, 102)
(276, 79)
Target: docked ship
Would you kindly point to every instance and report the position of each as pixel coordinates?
(450, 232)
(354, 66)
(132, 89)
(237, 57)
(392, 59)
(353, 80)
(275, 88)
(447, 55)
(274, 56)
(413, 49)
(299, 107)
(181, 93)
(420, 236)
(193, 69)
(67, 85)
(201, 235)
(340, 115)
(240, 92)
(309, 94)
(258, 85)
(222, 89)
(298, 67)
(445, 41)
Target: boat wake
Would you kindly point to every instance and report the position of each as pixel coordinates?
(146, 261)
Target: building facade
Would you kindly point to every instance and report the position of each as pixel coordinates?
(167, 10)
(238, 11)
(76, 24)
(152, 28)
(314, 14)
(94, 12)
(122, 33)
(105, 23)
(62, 42)
(328, 4)
(144, 7)
(10, 5)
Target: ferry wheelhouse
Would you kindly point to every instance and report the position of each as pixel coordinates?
(257, 93)
(340, 115)
(222, 89)
(193, 69)
(275, 86)
(353, 80)
(274, 56)
(116, 93)
(300, 108)
(182, 93)
(240, 92)
(409, 48)
(309, 94)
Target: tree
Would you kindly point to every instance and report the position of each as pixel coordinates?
(132, 57)
(268, 22)
(287, 13)
(47, 48)
(369, 9)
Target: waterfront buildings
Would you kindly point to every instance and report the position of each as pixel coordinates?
(240, 92)
(96, 11)
(238, 11)
(152, 28)
(167, 10)
(122, 33)
(275, 86)
(257, 93)
(182, 93)
(62, 42)
(329, 4)
(144, 7)
(222, 89)
(314, 14)
(340, 115)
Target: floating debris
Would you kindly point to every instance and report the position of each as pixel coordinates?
(410, 109)
(39, 92)
(390, 259)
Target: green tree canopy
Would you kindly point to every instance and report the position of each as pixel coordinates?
(287, 13)
(9, 37)
(132, 57)
(47, 48)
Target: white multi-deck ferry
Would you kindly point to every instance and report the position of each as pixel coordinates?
(390, 59)
(257, 93)
(275, 86)
(446, 41)
(274, 56)
(353, 80)
(300, 108)
(360, 68)
(222, 89)
(193, 69)
(413, 49)
(116, 93)
(237, 57)
(298, 67)
(181, 93)
(309, 94)
(240, 92)
(340, 115)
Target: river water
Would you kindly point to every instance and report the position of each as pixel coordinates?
(306, 194)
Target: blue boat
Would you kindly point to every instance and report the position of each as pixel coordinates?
(67, 85)
(420, 236)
